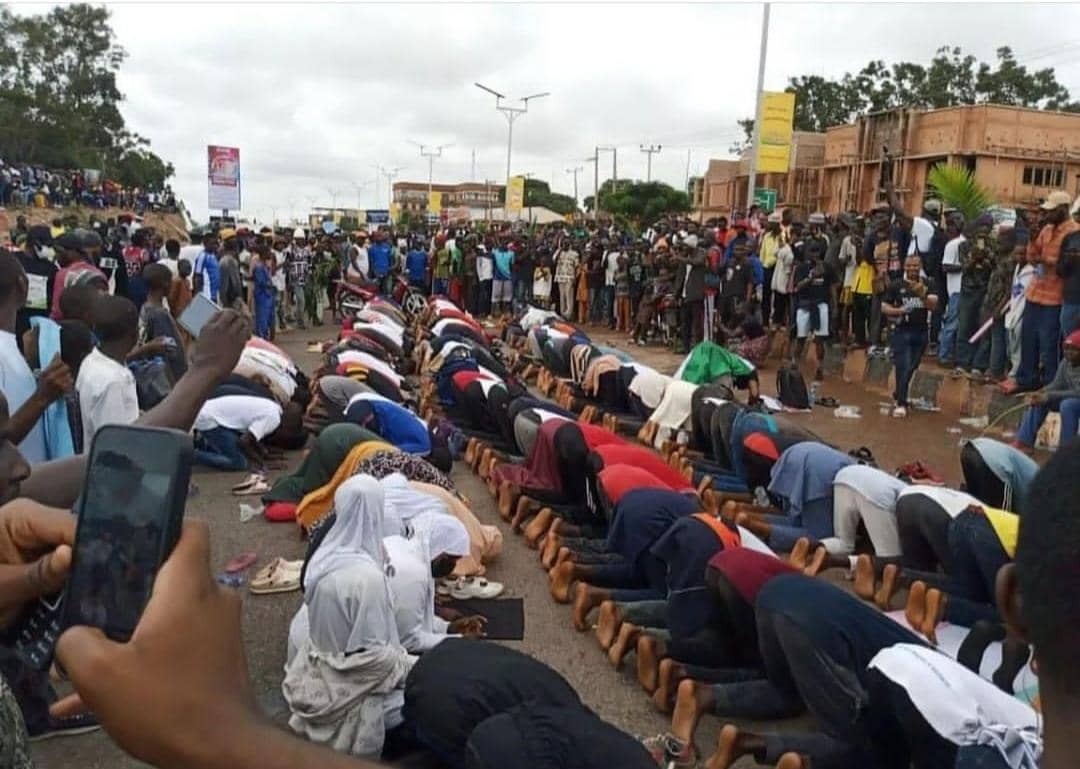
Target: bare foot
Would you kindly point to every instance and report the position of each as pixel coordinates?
(586, 599)
(628, 635)
(915, 611)
(564, 556)
(669, 675)
(551, 550)
(755, 525)
(816, 562)
(864, 577)
(728, 749)
(607, 624)
(884, 594)
(935, 612)
(648, 662)
(470, 451)
(791, 761)
(799, 554)
(561, 578)
(508, 494)
(483, 467)
(525, 507)
(539, 526)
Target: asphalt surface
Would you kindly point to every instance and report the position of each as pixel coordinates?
(549, 635)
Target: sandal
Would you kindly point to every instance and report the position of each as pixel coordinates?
(251, 480)
(258, 488)
(279, 576)
(475, 587)
(242, 562)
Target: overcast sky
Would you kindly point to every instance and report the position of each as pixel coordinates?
(316, 95)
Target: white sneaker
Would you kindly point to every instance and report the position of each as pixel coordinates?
(899, 412)
(475, 587)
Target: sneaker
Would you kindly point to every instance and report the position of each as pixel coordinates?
(66, 727)
(899, 412)
(475, 587)
(670, 752)
(959, 372)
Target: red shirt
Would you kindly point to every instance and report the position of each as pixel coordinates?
(748, 570)
(650, 462)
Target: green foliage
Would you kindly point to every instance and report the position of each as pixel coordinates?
(538, 193)
(641, 201)
(59, 103)
(950, 79)
(957, 188)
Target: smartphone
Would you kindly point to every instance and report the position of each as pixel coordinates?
(197, 314)
(130, 515)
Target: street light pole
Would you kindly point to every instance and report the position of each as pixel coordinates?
(575, 170)
(649, 150)
(391, 174)
(756, 138)
(431, 152)
(595, 160)
(512, 114)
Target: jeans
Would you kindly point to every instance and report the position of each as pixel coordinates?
(483, 297)
(595, 307)
(875, 320)
(947, 345)
(924, 532)
(860, 313)
(815, 521)
(1034, 416)
(908, 344)
(691, 320)
(608, 311)
(1040, 340)
(1070, 319)
(970, 355)
(299, 301)
(766, 295)
(999, 349)
(645, 613)
(220, 448)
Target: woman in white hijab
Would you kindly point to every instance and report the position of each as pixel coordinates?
(429, 550)
(345, 676)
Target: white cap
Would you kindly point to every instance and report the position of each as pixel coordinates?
(299, 233)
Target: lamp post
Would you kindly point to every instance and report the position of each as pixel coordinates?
(512, 114)
(650, 150)
(575, 171)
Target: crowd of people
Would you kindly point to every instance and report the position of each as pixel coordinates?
(699, 545)
(24, 185)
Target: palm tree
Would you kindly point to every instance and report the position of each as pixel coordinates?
(957, 188)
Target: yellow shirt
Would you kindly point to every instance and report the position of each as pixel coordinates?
(770, 244)
(864, 279)
(1006, 526)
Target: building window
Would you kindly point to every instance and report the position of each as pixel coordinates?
(1043, 176)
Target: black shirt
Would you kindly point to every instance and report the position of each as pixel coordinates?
(900, 294)
(737, 279)
(40, 274)
(817, 290)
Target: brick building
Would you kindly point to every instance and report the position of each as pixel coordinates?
(413, 196)
(1019, 154)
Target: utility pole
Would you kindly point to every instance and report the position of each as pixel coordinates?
(756, 138)
(686, 184)
(390, 174)
(595, 160)
(649, 150)
(472, 176)
(512, 114)
(430, 152)
(614, 165)
(575, 171)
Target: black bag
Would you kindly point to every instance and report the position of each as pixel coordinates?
(791, 388)
(152, 381)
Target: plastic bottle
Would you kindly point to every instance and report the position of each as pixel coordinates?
(813, 393)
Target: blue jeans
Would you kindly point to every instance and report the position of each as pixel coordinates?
(220, 448)
(594, 304)
(815, 522)
(947, 343)
(970, 355)
(1040, 339)
(609, 305)
(1070, 318)
(1034, 416)
(908, 344)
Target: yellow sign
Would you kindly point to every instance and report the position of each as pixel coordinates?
(434, 204)
(777, 119)
(515, 200)
(395, 212)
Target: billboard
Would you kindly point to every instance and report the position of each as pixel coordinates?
(223, 176)
(777, 119)
(434, 204)
(516, 194)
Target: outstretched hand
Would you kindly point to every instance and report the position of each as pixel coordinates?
(220, 343)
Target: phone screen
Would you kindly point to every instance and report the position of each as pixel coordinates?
(129, 519)
(197, 314)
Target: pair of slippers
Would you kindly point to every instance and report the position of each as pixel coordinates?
(278, 576)
(464, 588)
(254, 485)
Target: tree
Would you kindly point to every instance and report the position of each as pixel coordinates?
(956, 186)
(538, 193)
(59, 102)
(641, 201)
(951, 79)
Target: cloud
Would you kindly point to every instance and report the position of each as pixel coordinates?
(315, 95)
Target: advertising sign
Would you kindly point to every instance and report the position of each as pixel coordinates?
(223, 176)
(378, 216)
(516, 195)
(434, 205)
(777, 119)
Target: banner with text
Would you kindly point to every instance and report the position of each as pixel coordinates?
(223, 174)
(516, 196)
(777, 119)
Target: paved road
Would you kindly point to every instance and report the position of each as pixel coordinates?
(549, 635)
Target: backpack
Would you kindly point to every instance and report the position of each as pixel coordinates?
(791, 388)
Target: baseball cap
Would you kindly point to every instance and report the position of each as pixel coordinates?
(932, 205)
(227, 233)
(1056, 199)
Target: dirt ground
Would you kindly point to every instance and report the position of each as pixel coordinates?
(549, 636)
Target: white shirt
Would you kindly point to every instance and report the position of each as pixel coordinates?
(922, 232)
(952, 256)
(611, 264)
(484, 268)
(410, 586)
(107, 394)
(278, 278)
(172, 264)
(876, 485)
(18, 384)
(243, 413)
(952, 501)
(849, 257)
(189, 253)
(358, 261)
